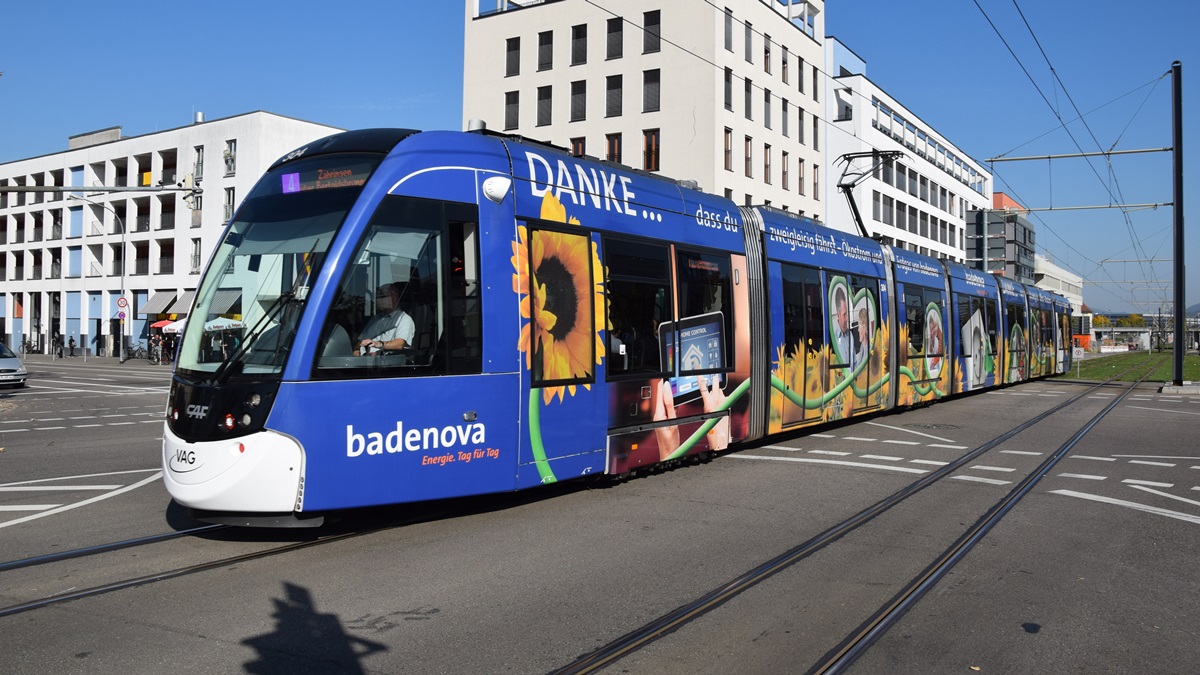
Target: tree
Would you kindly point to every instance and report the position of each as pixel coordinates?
(1100, 321)
(1131, 321)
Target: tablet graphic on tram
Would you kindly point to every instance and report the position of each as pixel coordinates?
(691, 349)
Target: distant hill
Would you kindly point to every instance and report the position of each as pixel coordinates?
(1194, 309)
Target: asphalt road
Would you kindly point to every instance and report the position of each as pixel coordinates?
(1092, 572)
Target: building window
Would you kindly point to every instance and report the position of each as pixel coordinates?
(749, 100)
(612, 96)
(783, 64)
(800, 125)
(767, 108)
(650, 149)
(545, 50)
(816, 133)
(783, 168)
(579, 100)
(651, 30)
(728, 149)
(767, 163)
(729, 89)
(749, 157)
(511, 108)
(579, 44)
(749, 43)
(543, 106)
(728, 29)
(816, 89)
(783, 116)
(800, 72)
(650, 89)
(231, 157)
(230, 202)
(615, 38)
(875, 205)
(578, 146)
(766, 53)
(512, 57)
(800, 176)
(816, 182)
(613, 147)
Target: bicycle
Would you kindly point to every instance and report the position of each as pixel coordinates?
(134, 351)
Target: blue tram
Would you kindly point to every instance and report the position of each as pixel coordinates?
(394, 316)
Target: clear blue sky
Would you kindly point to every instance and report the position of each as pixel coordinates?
(70, 67)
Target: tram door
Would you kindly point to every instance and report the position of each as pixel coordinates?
(1017, 353)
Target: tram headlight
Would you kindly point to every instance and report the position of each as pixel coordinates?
(252, 401)
(246, 420)
(228, 423)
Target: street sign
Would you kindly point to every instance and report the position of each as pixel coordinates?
(1077, 352)
(121, 315)
(122, 303)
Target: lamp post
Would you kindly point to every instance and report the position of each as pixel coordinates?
(124, 261)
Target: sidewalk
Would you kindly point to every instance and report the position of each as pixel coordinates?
(43, 359)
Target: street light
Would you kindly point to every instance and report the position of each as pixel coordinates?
(124, 261)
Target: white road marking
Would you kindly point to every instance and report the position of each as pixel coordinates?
(781, 447)
(86, 475)
(979, 467)
(1155, 457)
(1165, 494)
(931, 462)
(27, 507)
(948, 447)
(1084, 476)
(1144, 462)
(1021, 452)
(977, 479)
(904, 442)
(1098, 459)
(836, 462)
(85, 502)
(1177, 412)
(859, 438)
(1131, 505)
(48, 488)
(883, 458)
(1134, 481)
(822, 436)
(829, 452)
(910, 431)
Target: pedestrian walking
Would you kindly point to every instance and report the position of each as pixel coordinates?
(58, 345)
(71, 345)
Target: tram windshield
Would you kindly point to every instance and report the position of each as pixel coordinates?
(256, 285)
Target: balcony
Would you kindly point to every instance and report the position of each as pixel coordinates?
(141, 224)
(141, 267)
(35, 273)
(94, 271)
(166, 266)
(167, 221)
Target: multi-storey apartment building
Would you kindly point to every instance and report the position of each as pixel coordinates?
(1001, 240)
(918, 201)
(99, 265)
(727, 94)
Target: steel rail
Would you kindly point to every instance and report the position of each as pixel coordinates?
(104, 548)
(859, 641)
(673, 620)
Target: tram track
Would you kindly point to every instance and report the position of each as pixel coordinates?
(105, 548)
(854, 644)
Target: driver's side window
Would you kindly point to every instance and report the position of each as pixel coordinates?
(409, 294)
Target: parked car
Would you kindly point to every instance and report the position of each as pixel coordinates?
(12, 371)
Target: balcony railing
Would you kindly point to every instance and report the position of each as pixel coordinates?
(117, 269)
(197, 218)
(94, 270)
(166, 265)
(167, 221)
(35, 273)
(141, 267)
(195, 264)
(96, 229)
(141, 224)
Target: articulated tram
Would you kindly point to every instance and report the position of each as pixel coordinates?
(550, 317)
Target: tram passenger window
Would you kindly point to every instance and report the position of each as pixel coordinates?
(803, 310)
(560, 336)
(408, 304)
(639, 299)
(705, 299)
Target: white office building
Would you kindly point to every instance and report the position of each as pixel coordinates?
(725, 94)
(98, 265)
(1051, 277)
(919, 201)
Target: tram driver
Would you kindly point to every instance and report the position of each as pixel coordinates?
(391, 328)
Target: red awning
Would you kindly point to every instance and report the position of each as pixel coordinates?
(160, 324)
